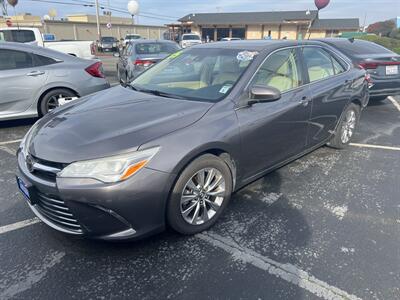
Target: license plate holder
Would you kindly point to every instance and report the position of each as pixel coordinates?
(26, 190)
(392, 70)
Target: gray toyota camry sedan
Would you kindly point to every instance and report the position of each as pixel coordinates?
(171, 148)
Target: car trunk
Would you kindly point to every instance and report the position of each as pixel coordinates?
(381, 66)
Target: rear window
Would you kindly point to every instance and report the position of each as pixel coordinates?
(133, 37)
(156, 48)
(108, 39)
(190, 37)
(361, 47)
(19, 36)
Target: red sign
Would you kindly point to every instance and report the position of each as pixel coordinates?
(320, 4)
(8, 23)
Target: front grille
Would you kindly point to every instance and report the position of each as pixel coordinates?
(44, 169)
(55, 211)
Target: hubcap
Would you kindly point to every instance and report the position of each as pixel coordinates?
(202, 196)
(348, 126)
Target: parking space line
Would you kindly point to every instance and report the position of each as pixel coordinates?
(375, 146)
(287, 272)
(10, 142)
(395, 103)
(18, 225)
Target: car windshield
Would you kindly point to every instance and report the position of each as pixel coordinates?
(108, 39)
(196, 74)
(190, 37)
(156, 48)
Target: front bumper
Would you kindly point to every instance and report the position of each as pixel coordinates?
(131, 209)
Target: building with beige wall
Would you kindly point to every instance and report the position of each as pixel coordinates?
(84, 27)
(259, 25)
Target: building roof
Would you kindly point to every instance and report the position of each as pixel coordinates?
(250, 17)
(336, 24)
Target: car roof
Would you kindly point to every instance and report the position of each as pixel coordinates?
(258, 45)
(145, 41)
(38, 50)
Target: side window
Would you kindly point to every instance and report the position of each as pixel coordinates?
(318, 62)
(337, 66)
(43, 60)
(281, 70)
(10, 60)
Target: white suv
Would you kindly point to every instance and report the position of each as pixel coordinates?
(190, 39)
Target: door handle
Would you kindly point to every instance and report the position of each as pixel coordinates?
(35, 73)
(304, 101)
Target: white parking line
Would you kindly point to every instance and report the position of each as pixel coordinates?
(10, 142)
(287, 272)
(18, 225)
(375, 147)
(395, 103)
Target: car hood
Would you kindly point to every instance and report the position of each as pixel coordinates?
(110, 122)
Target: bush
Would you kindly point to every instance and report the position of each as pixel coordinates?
(392, 44)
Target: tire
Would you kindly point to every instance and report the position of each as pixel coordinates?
(50, 97)
(378, 99)
(348, 123)
(185, 195)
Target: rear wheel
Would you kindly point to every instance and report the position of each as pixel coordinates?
(200, 195)
(346, 127)
(54, 99)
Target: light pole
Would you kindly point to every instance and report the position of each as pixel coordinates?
(98, 21)
(133, 9)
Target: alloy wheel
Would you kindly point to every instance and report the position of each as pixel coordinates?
(348, 126)
(202, 196)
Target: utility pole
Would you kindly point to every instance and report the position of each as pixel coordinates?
(3, 5)
(98, 20)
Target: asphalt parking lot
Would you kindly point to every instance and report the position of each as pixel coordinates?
(325, 226)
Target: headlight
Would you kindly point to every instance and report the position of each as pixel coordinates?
(110, 169)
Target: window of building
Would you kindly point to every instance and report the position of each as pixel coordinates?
(207, 34)
(281, 70)
(222, 33)
(239, 33)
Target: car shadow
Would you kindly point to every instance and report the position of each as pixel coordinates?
(18, 123)
(259, 219)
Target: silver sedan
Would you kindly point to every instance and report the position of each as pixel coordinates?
(35, 80)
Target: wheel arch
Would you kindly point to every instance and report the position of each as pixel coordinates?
(44, 93)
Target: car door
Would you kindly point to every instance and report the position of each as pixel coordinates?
(275, 131)
(20, 80)
(330, 87)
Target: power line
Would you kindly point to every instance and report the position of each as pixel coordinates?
(90, 4)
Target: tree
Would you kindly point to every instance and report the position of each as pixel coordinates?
(384, 28)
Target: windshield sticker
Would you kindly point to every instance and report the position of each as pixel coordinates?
(175, 55)
(246, 55)
(225, 89)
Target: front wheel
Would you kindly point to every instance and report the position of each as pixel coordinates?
(200, 195)
(346, 127)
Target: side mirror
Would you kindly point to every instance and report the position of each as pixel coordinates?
(116, 54)
(261, 94)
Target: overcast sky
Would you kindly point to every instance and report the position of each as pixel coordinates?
(375, 10)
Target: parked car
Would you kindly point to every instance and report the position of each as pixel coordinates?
(228, 39)
(140, 55)
(130, 38)
(108, 44)
(190, 39)
(35, 80)
(174, 145)
(382, 64)
(32, 36)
